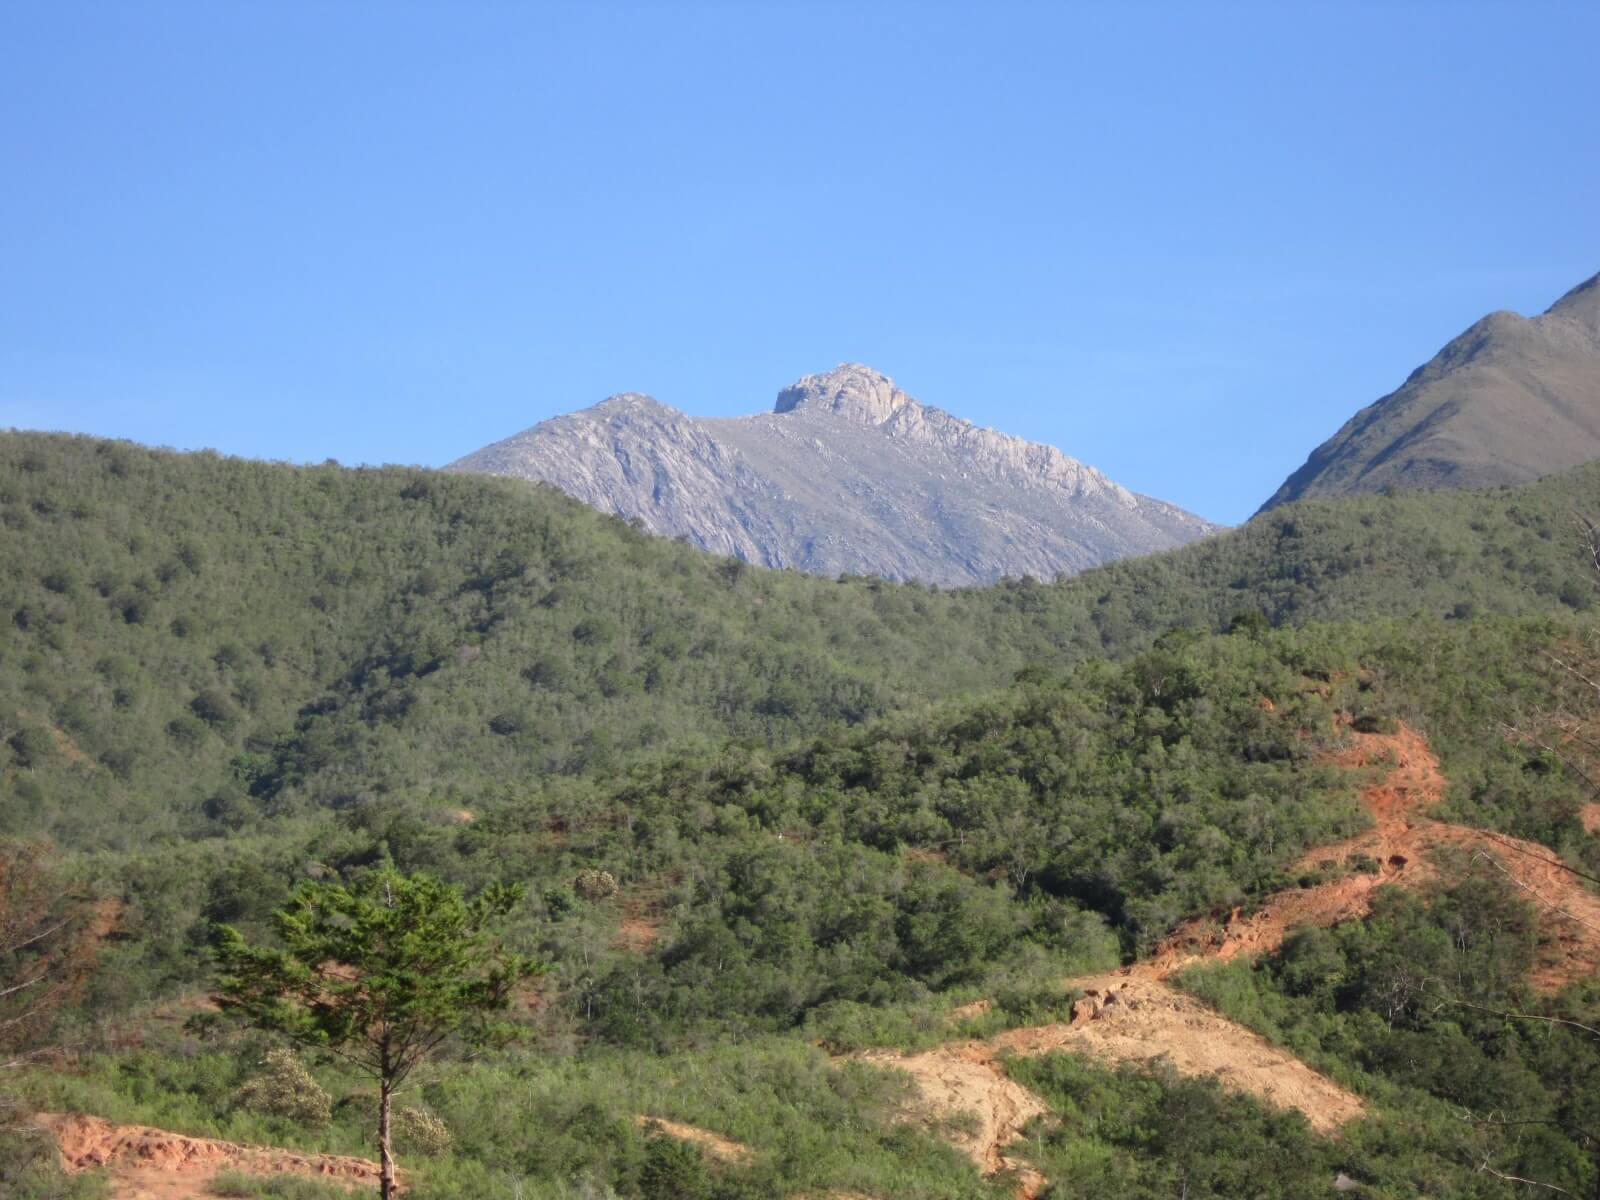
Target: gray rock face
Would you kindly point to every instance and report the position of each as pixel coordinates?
(847, 474)
(1509, 400)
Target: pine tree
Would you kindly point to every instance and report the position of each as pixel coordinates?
(379, 973)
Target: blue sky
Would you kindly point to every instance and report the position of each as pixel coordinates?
(1182, 242)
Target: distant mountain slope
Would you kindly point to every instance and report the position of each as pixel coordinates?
(189, 641)
(1509, 400)
(847, 475)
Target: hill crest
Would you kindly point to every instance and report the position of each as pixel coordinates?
(1508, 400)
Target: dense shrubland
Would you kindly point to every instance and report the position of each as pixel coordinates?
(836, 809)
(191, 644)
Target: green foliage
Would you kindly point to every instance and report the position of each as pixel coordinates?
(245, 1186)
(560, 1125)
(284, 1088)
(291, 701)
(673, 1170)
(379, 972)
(1136, 1135)
(200, 644)
(1413, 1006)
(30, 1166)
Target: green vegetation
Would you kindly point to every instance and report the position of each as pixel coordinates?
(1143, 1135)
(549, 1126)
(380, 974)
(276, 1187)
(762, 817)
(1413, 1007)
(198, 645)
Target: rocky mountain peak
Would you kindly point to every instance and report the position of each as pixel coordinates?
(629, 403)
(847, 475)
(850, 390)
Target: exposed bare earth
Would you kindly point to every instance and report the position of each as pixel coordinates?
(961, 1077)
(152, 1164)
(714, 1144)
(1401, 840)
(1590, 816)
(1125, 1018)
(638, 933)
(1133, 1015)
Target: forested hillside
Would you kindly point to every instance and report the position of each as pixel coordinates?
(195, 642)
(770, 823)
(853, 891)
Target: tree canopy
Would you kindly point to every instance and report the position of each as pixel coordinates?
(380, 973)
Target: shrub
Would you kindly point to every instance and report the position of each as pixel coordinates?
(594, 885)
(673, 1170)
(419, 1131)
(240, 1185)
(284, 1088)
(1375, 723)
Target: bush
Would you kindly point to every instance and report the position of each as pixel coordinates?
(419, 1131)
(285, 1089)
(239, 1185)
(31, 1168)
(1375, 723)
(595, 885)
(673, 1170)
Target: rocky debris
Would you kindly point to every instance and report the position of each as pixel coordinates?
(846, 474)
(1509, 400)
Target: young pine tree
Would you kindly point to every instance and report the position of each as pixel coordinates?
(379, 973)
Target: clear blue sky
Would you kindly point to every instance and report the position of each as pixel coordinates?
(1182, 242)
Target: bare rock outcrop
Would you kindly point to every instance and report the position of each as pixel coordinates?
(846, 475)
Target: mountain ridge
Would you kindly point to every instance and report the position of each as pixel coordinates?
(1506, 401)
(846, 474)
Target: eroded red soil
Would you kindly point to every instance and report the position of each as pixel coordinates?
(153, 1164)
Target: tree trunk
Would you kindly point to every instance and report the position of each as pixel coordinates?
(385, 1153)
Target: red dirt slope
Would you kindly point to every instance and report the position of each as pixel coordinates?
(152, 1164)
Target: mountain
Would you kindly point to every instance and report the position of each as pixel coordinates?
(846, 475)
(1511, 399)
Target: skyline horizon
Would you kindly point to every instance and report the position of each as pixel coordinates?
(314, 459)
